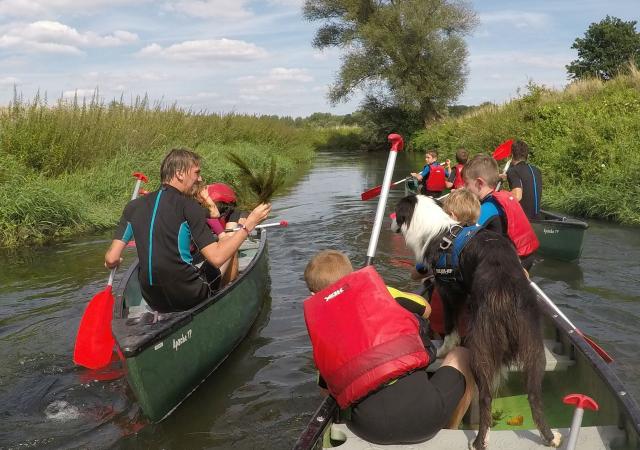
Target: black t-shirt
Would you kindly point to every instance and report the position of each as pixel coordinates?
(164, 224)
(528, 178)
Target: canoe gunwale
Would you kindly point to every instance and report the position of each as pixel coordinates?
(559, 220)
(162, 330)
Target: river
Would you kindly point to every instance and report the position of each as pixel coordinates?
(264, 393)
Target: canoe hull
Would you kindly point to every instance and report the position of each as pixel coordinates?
(175, 363)
(560, 237)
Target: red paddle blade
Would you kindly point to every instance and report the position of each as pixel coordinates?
(94, 342)
(503, 150)
(371, 193)
(599, 350)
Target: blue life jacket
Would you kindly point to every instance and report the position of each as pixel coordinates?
(447, 269)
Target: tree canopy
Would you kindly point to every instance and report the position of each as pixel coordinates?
(606, 47)
(409, 53)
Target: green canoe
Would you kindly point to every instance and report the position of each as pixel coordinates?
(560, 237)
(572, 366)
(167, 360)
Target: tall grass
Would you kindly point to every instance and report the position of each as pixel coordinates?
(66, 167)
(585, 139)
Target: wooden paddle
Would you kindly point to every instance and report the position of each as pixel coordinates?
(375, 191)
(94, 341)
(329, 407)
(599, 350)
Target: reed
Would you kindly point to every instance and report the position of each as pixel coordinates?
(65, 167)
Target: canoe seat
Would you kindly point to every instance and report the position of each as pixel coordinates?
(555, 362)
(590, 438)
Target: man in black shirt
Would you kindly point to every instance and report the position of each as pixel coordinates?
(525, 180)
(165, 223)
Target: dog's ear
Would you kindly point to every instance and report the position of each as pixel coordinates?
(404, 210)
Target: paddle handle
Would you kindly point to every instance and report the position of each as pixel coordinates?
(112, 274)
(553, 306)
(282, 223)
(397, 144)
(506, 167)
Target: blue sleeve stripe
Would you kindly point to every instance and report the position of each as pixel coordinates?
(535, 189)
(153, 220)
(128, 233)
(184, 242)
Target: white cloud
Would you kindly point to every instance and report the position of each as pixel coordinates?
(198, 97)
(206, 51)
(294, 3)
(80, 93)
(55, 37)
(9, 81)
(42, 8)
(210, 9)
(283, 74)
(519, 19)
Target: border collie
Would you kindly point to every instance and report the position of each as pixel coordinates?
(504, 319)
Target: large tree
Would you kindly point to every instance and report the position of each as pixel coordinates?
(606, 47)
(410, 51)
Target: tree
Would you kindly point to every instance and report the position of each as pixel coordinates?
(411, 51)
(606, 47)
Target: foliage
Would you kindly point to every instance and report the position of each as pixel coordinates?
(65, 168)
(379, 118)
(410, 50)
(607, 47)
(584, 139)
(262, 183)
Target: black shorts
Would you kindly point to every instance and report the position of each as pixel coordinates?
(180, 296)
(410, 410)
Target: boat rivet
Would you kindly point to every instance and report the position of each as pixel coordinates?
(570, 331)
(622, 393)
(320, 419)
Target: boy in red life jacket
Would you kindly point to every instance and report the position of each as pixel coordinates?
(409, 408)
(454, 180)
(433, 176)
(500, 211)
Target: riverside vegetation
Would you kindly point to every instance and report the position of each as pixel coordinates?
(66, 168)
(585, 139)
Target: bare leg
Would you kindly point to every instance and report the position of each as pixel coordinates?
(459, 359)
(230, 271)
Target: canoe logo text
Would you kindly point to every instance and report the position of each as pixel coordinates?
(549, 231)
(181, 340)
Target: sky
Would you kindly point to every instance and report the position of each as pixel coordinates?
(255, 56)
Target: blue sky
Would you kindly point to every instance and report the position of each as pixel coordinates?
(255, 56)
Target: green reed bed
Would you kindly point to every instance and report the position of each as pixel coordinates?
(66, 168)
(585, 139)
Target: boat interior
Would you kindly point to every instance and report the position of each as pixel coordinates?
(567, 371)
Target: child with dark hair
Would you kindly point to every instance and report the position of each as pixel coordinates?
(433, 176)
(525, 180)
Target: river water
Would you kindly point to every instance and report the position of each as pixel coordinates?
(264, 393)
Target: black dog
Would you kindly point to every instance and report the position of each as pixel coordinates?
(505, 325)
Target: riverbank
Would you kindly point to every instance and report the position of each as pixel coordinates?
(585, 139)
(66, 168)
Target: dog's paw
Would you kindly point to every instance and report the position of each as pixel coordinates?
(555, 442)
(450, 342)
(474, 445)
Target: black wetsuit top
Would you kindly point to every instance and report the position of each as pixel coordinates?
(164, 224)
(528, 178)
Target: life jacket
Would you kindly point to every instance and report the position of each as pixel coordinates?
(361, 337)
(436, 180)
(519, 229)
(447, 269)
(458, 182)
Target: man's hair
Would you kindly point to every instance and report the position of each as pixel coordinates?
(481, 166)
(326, 268)
(520, 151)
(177, 160)
(462, 156)
(464, 205)
(433, 153)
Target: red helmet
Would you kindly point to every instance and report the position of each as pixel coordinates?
(220, 192)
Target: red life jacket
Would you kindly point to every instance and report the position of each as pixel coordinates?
(361, 336)
(436, 180)
(458, 182)
(519, 229)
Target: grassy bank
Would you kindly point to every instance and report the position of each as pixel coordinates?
(66, 168)
(585, 139)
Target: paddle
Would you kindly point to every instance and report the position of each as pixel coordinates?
(282, 223)
(94, 341)
(328, 408)
(599, 350)
(374, 192)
